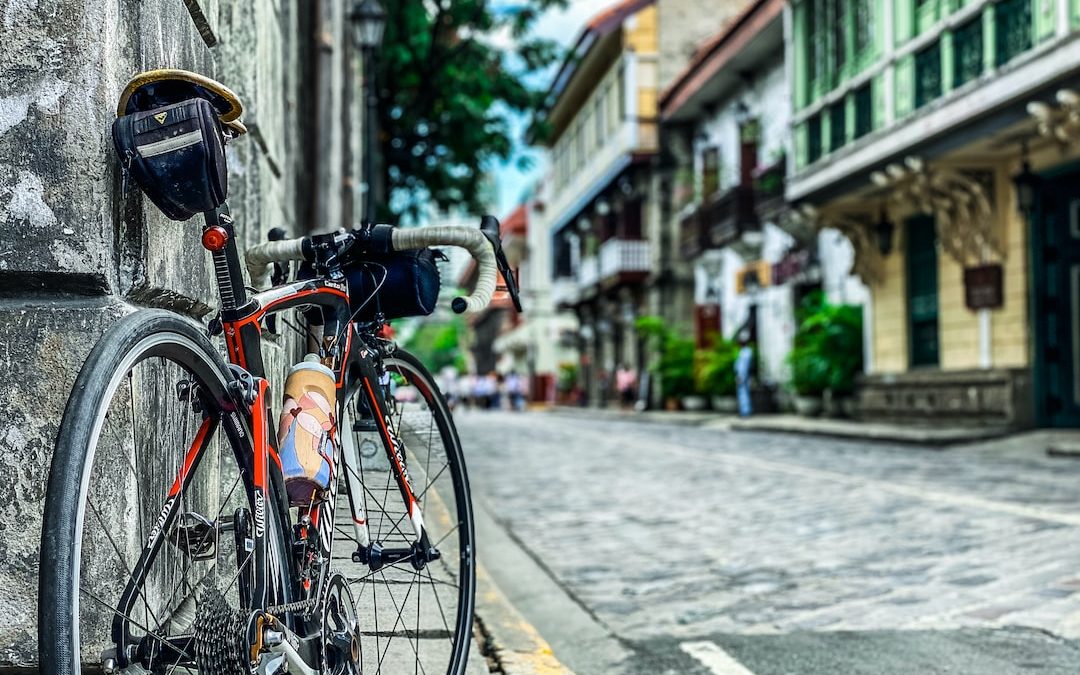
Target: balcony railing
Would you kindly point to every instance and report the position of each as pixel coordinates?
(769, 190)
(565, 292)
(589, 272)
(692, 240)
(620, 256)
(728, 215)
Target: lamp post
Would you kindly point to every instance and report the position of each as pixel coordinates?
(368, 21)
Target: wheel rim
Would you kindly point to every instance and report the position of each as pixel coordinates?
(145, 427)
(416, 621)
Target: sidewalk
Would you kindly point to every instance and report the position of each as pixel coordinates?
(817, 426)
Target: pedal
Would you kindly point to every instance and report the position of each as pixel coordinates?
(196, 536)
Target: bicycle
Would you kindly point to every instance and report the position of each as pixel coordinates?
(213, 570)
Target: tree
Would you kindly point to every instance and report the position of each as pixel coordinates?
(448, 95)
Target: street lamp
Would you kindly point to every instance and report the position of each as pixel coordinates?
(368, 21)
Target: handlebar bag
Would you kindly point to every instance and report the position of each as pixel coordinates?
(399, 284)
(176, 155)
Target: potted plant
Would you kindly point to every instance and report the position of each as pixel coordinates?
(567, 381)
(674, 365)
(716, 376)
(827, 354)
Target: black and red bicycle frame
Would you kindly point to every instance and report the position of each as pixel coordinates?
(355, 360)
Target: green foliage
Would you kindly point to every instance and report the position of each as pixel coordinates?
(828, 351)
(568, 376)
(676, 363)
(437, 344)
(716, 369)
(448, 95)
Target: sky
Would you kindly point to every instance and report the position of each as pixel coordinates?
(563, 26)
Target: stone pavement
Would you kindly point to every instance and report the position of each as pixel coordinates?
(815, 426)
(773, 544)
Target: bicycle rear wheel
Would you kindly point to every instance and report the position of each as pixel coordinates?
(412, 620)
(145, 542)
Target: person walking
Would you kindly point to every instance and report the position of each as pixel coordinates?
(625, 382)
(743, 364)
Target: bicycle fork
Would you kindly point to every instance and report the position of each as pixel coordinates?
(369, 552)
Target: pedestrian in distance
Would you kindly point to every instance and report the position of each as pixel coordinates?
(625, 383)
(743, 364)
(515, 391)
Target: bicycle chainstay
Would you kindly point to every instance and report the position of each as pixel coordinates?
(221, 646)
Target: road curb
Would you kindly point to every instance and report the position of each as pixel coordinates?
(511, 644)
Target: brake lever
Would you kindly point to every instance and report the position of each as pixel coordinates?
(489, 225)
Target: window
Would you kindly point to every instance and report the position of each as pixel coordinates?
(710, 171)
(813, 139)
(864, 110)
(837, 125)
(600, 113)
(928, 75)
(864, 27)
(922, 291)
(968, 50)
(620, 87)
(579, 145)
(838, 46)
(1012, 27)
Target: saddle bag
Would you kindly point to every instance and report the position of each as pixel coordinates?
(176, 155)
(399, 284)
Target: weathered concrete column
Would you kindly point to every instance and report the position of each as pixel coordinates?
(74, 254)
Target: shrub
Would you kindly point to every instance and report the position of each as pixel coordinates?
(716, 371)
(828, 350)
(675, 365)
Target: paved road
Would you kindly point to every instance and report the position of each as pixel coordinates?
(696, 550)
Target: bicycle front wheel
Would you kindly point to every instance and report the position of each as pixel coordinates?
(413, 620)
(148, 514)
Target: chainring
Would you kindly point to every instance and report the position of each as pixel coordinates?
(340, 630)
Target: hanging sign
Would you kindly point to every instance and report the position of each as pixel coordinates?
(983, 287)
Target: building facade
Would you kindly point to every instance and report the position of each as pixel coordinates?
(912, 121)
(613, 257)
(727, 123)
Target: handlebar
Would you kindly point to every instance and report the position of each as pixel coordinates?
(484, 248)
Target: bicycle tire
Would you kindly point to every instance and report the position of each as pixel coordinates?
(133, 340)
(463, 549)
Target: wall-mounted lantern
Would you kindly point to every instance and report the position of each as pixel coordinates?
(1027, 188)
(884, 230)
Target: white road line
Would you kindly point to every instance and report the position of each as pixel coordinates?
(714, 658)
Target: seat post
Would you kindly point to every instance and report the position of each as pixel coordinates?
(230, 278)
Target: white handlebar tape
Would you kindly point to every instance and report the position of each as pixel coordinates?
(259, 258)
(470, 239)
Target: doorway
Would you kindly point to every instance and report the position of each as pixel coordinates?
(1055, 245)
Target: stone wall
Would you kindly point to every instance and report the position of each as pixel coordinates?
(75, 255)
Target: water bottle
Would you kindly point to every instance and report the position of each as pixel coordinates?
(304, 441)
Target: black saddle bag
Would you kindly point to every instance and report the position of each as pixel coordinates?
(176, 154)
(399, 284)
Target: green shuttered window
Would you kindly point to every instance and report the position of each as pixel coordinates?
(922, 291)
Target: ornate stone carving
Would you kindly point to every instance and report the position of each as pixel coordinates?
(958, 199)
(1059, 123)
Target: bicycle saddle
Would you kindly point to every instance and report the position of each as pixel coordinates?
(157, 88)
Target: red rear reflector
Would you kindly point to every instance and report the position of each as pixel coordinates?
(214, 238)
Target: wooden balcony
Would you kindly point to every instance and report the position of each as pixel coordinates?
(692, 239)
(769, 191)
(728, 215)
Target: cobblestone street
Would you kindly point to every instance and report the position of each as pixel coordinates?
(703, 550)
